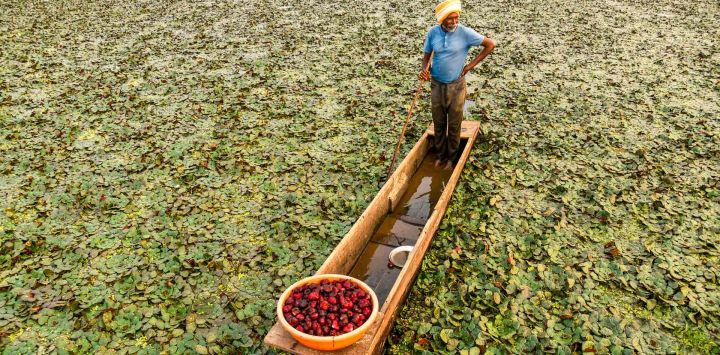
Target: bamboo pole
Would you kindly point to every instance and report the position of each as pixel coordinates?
(407, 120)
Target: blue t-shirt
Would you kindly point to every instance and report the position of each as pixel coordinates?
(451, 49)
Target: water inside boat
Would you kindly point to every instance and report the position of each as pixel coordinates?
(402, 227)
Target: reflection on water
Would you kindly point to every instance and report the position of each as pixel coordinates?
(402, 227)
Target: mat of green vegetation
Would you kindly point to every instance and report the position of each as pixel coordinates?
(169, 167)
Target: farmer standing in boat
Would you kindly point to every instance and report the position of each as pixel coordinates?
(451, 43)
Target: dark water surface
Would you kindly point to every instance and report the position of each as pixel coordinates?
(402, 227)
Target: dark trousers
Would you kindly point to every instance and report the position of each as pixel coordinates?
(448, 101)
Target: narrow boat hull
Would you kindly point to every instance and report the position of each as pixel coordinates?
(347, 252)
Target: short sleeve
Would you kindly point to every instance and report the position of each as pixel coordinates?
(473, 38)
(428, 42)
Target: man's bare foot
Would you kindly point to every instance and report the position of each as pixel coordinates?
(449, 165)
(437, 163)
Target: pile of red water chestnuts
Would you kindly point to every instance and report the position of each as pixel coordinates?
(328, 308)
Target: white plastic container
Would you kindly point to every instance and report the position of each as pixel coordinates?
(400, 255)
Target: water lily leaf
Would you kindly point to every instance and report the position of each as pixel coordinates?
(446, 335)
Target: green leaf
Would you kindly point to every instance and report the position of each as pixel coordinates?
(446, 335)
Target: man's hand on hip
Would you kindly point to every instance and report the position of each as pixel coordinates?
(488, 47)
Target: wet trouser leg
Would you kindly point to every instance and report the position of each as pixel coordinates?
(448, 101)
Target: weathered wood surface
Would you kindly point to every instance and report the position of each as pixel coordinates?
(468, 129)
(281, 339)
(400, 290)
(351, 246)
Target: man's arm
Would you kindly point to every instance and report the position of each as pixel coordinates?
(488, 46)
(425, 72)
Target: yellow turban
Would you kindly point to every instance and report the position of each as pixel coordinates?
(445, 8)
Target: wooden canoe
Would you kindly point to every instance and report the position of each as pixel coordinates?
(343, 257)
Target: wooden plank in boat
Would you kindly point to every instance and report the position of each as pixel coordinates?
(281, 339)
(466, 130)
(351, 246)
